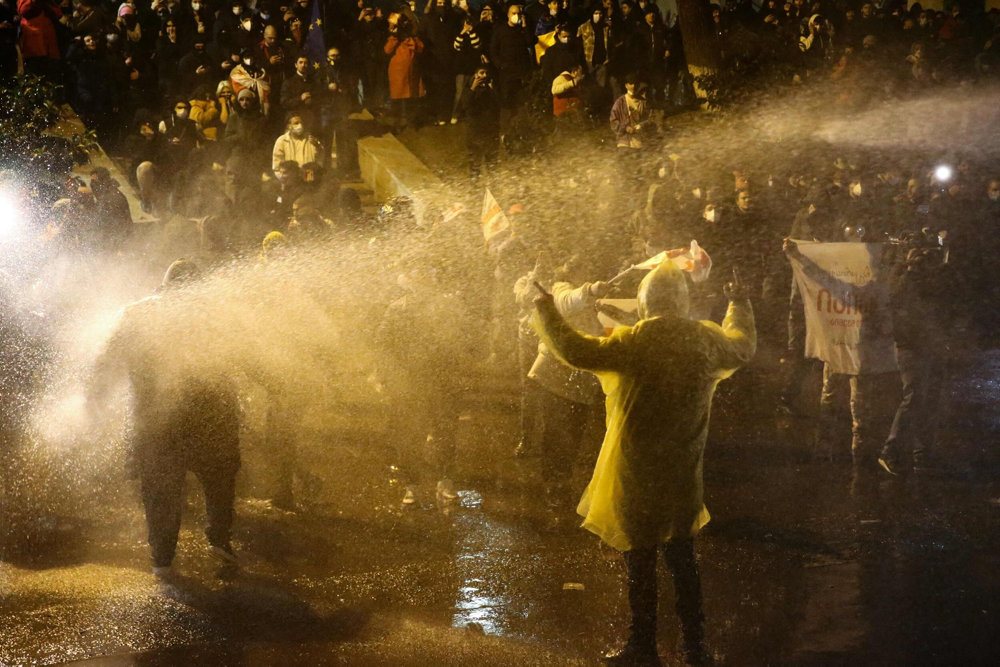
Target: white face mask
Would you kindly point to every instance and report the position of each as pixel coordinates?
(237, 11)
(247, 24)
(195, 6)
(564, 40)
(995, 196)
(711, 214)
(248, 61)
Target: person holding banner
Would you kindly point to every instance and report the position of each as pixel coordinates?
(646, 492)
(845, 297)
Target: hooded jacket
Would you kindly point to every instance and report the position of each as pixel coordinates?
(658, 377)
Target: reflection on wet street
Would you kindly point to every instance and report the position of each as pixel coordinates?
(803, 563)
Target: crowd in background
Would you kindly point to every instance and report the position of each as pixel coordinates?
(200, 97)
(247, 113)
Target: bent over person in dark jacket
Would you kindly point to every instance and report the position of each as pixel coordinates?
(186, 417)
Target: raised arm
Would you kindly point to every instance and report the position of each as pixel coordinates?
(577, 349)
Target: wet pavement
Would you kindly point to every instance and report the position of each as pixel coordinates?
(804, 562)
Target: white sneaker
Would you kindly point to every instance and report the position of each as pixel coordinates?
(446, 490)
(454, 121)
(409, 498)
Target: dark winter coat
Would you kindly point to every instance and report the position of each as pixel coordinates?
(510, 51)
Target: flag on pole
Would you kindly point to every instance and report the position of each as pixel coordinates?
(694, 260)
(543, 44)
(494, 220)
(315, 44)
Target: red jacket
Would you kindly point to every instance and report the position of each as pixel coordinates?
(38, 33)
(404, 74)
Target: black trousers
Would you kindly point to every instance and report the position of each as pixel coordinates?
(642, 592)
(163, 498)
(924, 377)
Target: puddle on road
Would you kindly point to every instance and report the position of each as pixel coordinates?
(480, 548)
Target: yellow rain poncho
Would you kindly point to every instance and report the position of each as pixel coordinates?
(658, 377)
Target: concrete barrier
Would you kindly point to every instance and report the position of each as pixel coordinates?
(390, 170)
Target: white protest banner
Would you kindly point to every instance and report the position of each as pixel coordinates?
(846, 300)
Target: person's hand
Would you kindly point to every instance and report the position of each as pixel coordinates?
(332, 86)
(543, 297)
(306, 97)
(790, 247)
(599, 289)
(735, 290)
(201, 69)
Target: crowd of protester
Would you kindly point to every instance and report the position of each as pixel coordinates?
(245, 113)
(177, 88)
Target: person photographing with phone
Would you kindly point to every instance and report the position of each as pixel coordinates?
(646, 494)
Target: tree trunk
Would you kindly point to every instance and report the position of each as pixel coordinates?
(695, 20)
(701, 51)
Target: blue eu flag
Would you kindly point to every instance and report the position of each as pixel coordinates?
(315, 45)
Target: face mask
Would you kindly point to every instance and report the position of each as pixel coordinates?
(181, 113)
(247, 24)
(248, 61)
(237, 11)
(265, 16)
(564, 40)
(112, 38)
(195, 6)
(994, 196)
(711, 215)
(856, 190)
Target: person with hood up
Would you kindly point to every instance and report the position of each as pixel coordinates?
(646, 492)
(186, 417)
(248, 75)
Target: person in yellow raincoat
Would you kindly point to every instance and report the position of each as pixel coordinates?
(646, 491)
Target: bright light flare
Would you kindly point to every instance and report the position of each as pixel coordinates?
(942, 173)
(11, 217)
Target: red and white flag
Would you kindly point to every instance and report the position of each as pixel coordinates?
(494, 220)
(694, 260)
